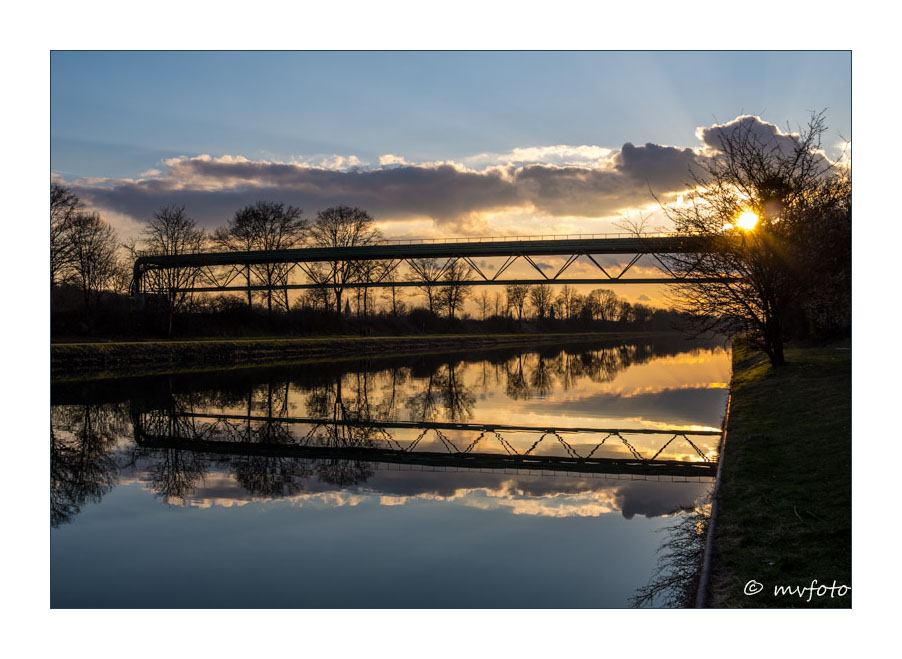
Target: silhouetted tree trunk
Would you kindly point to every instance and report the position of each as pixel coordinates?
(169, 233)
(93, 247)
(340, 226)
(64, 206)
(265, 226)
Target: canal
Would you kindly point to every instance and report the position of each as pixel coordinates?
(508, 478)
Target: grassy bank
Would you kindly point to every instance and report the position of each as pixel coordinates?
(785, 500)
(104, 359)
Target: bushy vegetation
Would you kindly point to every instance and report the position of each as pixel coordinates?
(114, 315)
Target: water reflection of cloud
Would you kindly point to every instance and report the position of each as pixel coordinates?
(619, 386)
(654, 500)
(518, 494)
(689, 406)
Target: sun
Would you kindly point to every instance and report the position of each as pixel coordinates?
(747, 221)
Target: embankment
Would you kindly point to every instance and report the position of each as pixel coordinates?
(90, 360)
(785, 499)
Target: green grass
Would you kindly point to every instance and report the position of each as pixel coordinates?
(785, 500)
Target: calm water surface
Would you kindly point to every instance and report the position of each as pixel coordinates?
(430, 481)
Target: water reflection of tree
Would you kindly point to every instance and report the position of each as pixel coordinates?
(271, 401)
(349, 401)
(174, 473)
(271, 476)
(387, 408)
(517, 386)
(423, 405)
(530, 374)
(82, 468)
(446, 392)
(542, 379)
(346, 418)
(676, 578)
(343, 472)
(458, 399)
(565, 369)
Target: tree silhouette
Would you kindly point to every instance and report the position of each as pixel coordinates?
(540, 297)
(92, 254)
(64, 206)
(453, 294)
(171, 232)
(801, 201)
(265, 226)
(517, 295)
(340, 226)
(427, 273)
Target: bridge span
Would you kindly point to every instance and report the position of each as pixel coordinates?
(238, 271)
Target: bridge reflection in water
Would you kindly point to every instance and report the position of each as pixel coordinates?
(557, 462)
(279, 431)
(429, 444)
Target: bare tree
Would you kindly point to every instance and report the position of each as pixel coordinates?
(369, 272)
(483, 301)
(568, 298)
(755, 206)
(516, 297)
(427, 273)
(498, 303)
(64, 206)
(454, 293)
(640, 226)
(93, 254)
(341, 226)
(540, 297)
(265, 226)
(169, 233)
(394, 295)
(603, 304)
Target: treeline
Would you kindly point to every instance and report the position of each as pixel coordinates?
(91, 276)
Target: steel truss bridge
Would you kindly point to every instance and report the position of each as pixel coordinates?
(491, 445)
(223, 272)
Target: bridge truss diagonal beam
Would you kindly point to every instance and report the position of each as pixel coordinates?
(370, 440)
(235, 264)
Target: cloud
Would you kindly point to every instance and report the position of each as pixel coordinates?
(391, 159)
(534, 188)
(759, 131)
(751, 125)
(663, 168)
(560, 155)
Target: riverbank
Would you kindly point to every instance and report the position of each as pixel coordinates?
(785, 499)
(111, 359)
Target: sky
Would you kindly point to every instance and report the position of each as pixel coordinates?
(432, 144)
